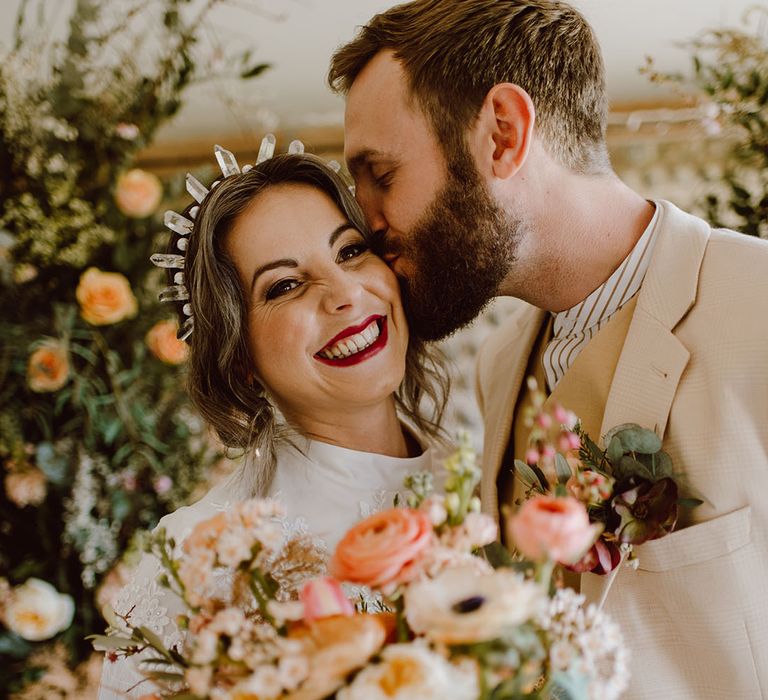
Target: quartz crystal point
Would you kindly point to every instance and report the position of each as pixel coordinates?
(186, 329)
(178, 223)
(296, 147)
(267, 148)
(196, 188)
(168, 261)
(176, 293)
(334, 165)
(227, 161)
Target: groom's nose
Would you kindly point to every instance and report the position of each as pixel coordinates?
(372, 211)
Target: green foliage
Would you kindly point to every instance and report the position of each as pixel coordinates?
(730, 77)
(116, 446)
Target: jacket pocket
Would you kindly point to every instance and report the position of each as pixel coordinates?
(698, 543)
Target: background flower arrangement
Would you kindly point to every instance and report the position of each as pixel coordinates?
(730, 79)
(97, 440)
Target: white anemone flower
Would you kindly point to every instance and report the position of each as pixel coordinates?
(463, 606)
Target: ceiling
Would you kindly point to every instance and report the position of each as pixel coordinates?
(298, 36)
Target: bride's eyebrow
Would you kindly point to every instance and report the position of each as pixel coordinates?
(290, 262)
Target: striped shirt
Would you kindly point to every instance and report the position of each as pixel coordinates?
(575, 327)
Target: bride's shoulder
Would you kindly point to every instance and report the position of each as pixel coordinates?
(182, 521)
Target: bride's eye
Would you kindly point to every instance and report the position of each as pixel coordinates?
(282, 287)
(352, 250)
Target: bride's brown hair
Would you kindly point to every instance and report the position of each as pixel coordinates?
(220, 377)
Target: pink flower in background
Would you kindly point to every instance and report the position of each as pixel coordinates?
(163, 484)
(127, 131)
(48, 367)
(138, 193)
(381, 550)
(324, 597)
(557, 528)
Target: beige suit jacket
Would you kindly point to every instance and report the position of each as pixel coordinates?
(694, 367)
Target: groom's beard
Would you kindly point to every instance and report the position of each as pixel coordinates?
(461, 250)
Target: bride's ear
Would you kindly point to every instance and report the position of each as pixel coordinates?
(505, 129)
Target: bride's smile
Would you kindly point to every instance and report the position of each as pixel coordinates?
(356, 343)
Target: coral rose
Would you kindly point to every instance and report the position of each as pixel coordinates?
(138, 193)
(105, 297)
(557, 528)
(48, 367)
(164, 345)
(380, 550)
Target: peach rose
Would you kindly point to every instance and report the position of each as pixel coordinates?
(557, 528)
(164, 345)
(380, 550)
(138, 193)
(48, 367)
(26, 488)
(105, 297)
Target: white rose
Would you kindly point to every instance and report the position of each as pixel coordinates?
(38, 611)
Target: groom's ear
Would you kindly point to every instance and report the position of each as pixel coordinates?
(506, 123)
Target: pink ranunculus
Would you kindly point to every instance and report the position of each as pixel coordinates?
(324, 597)
(380, 550)
(555, 528)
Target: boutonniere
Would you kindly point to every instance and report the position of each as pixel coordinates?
(629, 487)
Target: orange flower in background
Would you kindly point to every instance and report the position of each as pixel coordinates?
(380, 550)
(105, 297)
(164, 345)
(48, 367)
(138, 193)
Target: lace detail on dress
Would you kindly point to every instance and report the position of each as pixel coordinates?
(378, 503)
(140, 602)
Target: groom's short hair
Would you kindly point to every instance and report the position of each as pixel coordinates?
(454, 51)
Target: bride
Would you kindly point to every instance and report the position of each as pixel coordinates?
(299, 355)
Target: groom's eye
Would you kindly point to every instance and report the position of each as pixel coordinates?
(383, 181)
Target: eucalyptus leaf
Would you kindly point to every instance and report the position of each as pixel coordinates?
(154, 640)
(13, 645)
(627, 466)
(615, 450)
(638, 439)
(567, 686)
(689, 502)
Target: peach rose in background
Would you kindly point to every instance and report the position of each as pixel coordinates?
(48, 367)
(380, 550)
(105, 297)
(557, 528)
(164, 345)
(138, 193)
(26, 488)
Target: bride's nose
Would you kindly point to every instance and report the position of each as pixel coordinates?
(342, 291)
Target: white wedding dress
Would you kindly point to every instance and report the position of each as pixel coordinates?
(325, 489)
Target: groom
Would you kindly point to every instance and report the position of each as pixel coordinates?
(475, 132)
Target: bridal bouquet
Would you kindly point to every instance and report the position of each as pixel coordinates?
(440, 621)
(629, 489)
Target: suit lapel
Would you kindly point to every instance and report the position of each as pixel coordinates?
(509, 362)
(653, 360)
